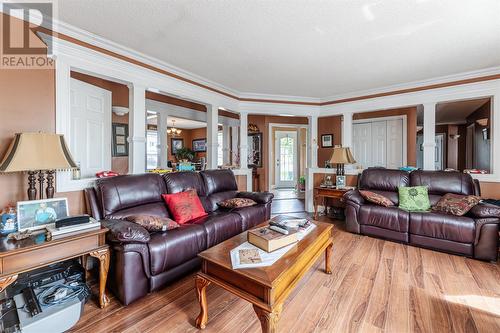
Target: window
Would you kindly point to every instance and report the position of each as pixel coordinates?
(220, 153)
(151, 150)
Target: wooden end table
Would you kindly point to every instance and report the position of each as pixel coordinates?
(21, 256)
(321, 193)
(265, 287)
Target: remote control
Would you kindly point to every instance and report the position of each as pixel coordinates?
(278, 229)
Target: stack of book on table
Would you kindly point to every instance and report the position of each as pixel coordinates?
(268, 244)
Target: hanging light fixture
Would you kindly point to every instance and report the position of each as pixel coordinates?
(173, 130)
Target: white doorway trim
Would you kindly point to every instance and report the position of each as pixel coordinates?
(270, 162)
(405, 130)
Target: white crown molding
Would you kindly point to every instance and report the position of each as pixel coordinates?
(271, 97)
(416, 84)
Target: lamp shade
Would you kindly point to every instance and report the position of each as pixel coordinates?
(37, 151)
(342, 155)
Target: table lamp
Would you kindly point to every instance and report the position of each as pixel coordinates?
(41, 153)
(340, 157)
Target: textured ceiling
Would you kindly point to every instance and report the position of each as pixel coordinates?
(302, 48)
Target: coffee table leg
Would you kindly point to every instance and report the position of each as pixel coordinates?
(269, 320)
(201, 286)
(328, 259)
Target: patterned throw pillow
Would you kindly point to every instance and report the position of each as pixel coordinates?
(153, 223)
(184, 206)
(414, 198)
(455, 204)
(376, 198)
(236, 203)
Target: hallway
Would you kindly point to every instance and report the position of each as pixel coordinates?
(287, 201)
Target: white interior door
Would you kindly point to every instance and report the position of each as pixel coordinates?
(361, 144)
(395, 156)
(286, 159)
(439, 152)
(379, 144)
(90, 117)
(469, 147)
(420, 151)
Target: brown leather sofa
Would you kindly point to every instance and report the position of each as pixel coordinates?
(142, 262)
(474, 235)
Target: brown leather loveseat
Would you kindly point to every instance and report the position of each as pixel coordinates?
(474, 235)
(142, 262)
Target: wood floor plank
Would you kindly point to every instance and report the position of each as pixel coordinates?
(376, 286)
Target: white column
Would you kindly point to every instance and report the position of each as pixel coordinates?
(234, 144)
(347, 130)
(226, 144)
(243, 140)
(312, 151)
(212, 130)
(162, 140)
(137, 129)
(429, 143)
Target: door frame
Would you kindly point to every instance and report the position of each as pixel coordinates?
(403, 117)
(270, 160)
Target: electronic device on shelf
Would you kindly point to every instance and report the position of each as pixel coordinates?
(31, 303)
(72, 220)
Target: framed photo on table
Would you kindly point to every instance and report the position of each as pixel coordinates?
(327, 141)
(36, 214)
(176, 143)
(200, 145)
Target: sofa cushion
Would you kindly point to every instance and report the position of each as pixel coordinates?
(442, 226)
(376, 198)
(414, 198)
(172, 248)
(455, 204)
(442, 182)
(236, 203)
(219, 181)
(153, 223)
(251, 216)
(219, 226)
(391, 218)
(156, 209)
(176, 182)
(213, 199)
(122, 192)
(383, 179)
(184, 206)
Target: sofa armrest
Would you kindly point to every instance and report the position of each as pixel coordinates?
(121, 231)
(258, 197)
(483, 210)
(354, 196)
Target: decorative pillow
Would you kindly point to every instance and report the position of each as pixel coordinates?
(455, 204)
(236, 203)
(376, 198)
(184, 206)
(153, 223)
(414, 198)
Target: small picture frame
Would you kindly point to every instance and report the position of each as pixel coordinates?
(327, 141)
(340, 181)
(120, 144)
(37, 214)
(176, 143)
(200, 145)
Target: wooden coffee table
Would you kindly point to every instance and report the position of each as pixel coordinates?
(266, 287)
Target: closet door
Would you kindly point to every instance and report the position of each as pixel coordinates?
(362, 146)
(379, 144)
(394, 143)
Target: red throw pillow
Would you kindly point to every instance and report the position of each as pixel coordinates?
(184, 206)
(455, 204)
(376, 198)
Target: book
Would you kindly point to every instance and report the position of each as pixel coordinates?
(270, 240)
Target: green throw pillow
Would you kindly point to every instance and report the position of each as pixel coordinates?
(414, 198)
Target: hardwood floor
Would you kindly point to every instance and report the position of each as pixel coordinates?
(376, 286)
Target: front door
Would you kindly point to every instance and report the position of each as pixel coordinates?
(286, 159)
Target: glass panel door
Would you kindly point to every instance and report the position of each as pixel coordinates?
(286, 159)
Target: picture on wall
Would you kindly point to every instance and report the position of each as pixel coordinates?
(176, 144)
(120, 144)
(200, 145)
(36, 214)
(327, 141)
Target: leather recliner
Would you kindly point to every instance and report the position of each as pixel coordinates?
(142, 262)
(474, 235)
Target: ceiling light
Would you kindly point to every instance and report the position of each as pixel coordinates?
(119, 110)
(482, 122)
(173, 130)
(286, 115)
